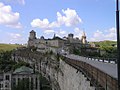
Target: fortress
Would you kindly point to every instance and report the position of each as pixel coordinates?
(56, 44)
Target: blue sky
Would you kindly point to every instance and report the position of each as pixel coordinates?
(46, 17)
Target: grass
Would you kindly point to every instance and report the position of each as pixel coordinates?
(106, 43)
(9, 47)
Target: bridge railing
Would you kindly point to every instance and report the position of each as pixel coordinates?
(97, 78)
(105, 60)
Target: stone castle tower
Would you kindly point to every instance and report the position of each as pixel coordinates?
(70, 36)
(32, 38)
(84, 41)
(32, 35)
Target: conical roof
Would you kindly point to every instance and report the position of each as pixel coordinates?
(32, 31)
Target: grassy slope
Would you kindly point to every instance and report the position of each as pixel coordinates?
(8, 47)
(106, 43)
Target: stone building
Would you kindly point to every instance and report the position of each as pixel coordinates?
(56, 43)
(9, 80)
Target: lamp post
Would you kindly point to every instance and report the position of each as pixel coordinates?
(118, 41)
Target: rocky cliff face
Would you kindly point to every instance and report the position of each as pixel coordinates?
(61, 75)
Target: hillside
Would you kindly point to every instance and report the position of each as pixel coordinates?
(106, 43)
(109, 48)
(8, 47)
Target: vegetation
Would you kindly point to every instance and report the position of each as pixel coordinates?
(102, 44)
(84, 52)
(8, 47)
(21, 63)
(7, 64)
(109, 48)
(5, 61)
(105, 49)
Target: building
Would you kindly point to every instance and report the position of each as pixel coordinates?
(56, 43)
(8, 81)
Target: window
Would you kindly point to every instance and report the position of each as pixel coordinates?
(0, 85)
(7, 77)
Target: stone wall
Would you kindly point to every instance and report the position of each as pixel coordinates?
(72, 79)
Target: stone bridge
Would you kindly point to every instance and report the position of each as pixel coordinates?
(70, 72)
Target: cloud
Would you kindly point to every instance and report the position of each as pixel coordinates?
(78, 32)
(21, 2)
(62, 32)
(14, 35)
(109, 34)
(40, 23)
(49, 32)
(11, 38)
(59, 33)
(9, 18)
(69, 18)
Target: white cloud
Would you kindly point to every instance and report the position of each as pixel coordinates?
(40, 23)
(62, 32)
(21, 2)
(14, 36)
(9, 18)
(59, 33)
(69, 18)
(49, 32)
(78, 32)
(112, 33)
(109, 34)
(54, 24)
(15, 26)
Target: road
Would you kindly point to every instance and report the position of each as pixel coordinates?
(108, 68)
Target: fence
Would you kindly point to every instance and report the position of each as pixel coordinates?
(106, 60)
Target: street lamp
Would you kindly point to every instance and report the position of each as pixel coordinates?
(118, 41)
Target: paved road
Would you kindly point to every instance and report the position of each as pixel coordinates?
(110, 69)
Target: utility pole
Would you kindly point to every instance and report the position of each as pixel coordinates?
(118, 41)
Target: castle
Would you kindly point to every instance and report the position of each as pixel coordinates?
(56, 44)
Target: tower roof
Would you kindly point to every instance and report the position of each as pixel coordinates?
(32, 31)
(42, 37)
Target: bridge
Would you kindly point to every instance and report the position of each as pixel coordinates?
(72, 72)
(103, 75)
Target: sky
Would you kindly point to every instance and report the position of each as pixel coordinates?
(48, 17)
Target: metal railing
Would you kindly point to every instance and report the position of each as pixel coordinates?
(105, 60)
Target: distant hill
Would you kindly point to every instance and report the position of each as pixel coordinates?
(108, 49)
(8, 47)
(106, 43)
